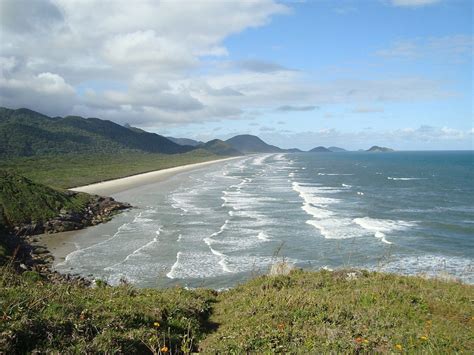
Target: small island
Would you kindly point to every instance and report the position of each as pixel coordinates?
(377, 149)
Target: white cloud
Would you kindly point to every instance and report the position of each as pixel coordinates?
(453, 48)
(148, 47)
(154, 63)
(423, 137)
(367, 109)
(414, 3)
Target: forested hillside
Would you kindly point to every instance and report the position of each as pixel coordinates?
(28, 133)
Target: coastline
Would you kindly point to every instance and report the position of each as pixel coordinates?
(110, 187)
(62, 244)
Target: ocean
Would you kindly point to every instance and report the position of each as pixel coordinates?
(217, 226)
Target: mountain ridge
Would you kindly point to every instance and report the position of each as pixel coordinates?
(24, 132)
(247, 143)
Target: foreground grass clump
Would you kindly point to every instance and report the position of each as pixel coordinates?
(308, 312)
(303, 312)
(69, 170)
(70, 318)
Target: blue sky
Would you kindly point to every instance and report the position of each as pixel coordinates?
(299, 74)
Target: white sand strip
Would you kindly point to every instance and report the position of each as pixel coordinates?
(111, 187)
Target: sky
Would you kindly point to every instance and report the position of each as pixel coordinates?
(348, 73)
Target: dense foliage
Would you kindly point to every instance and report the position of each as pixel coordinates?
(69, 170)
(28, 133)
(23, 201)
(220, 147)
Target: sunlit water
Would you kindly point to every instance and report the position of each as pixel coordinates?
(407, 212)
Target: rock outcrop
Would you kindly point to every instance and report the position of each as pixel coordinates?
(98, 210)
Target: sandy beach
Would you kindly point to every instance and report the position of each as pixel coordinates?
(62, 244)
(110, 187)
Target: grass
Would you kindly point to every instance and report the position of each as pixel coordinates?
(69, 318)
(69, 170)
(308, 312)
(23, 201)
(303, 312)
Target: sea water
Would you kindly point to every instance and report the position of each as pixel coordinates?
(403, 212)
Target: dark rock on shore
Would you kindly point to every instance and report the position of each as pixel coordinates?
(98, 210)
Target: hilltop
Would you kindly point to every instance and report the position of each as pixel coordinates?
(247, 143)
(320, 150)
(220, 147)
(337, 149)
(378, 149)
(185, 141)
(27, 207)
(25, 132)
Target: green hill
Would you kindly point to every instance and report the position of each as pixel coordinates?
(220, 147)
(28, 133)
(23, 201)
(320, 150)
(378, 149)
(247, 143)
(185, 141)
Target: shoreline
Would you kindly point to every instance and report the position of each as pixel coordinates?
(110, 187)
(62, 244)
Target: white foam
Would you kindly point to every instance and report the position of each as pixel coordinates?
(221, 229)
(360, 193)
(77, 252)
(260, 159)
(222, 262)
(347, 186)
(136, 252)
(337, 228)
(316, 212)
(307, 193)
(172, 273)
(380, 227)
(432, 266)
(279, 157)
(404, 178)
(263, 236)
(323, 174)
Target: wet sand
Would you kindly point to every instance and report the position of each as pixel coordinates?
(62, 244)
(59, 244)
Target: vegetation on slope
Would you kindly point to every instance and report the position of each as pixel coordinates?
(28, 133)
(342, 311)
(298, 313)
(247, 143)
(70, 318)
(69, 170)
(23, 201)
(220, 147)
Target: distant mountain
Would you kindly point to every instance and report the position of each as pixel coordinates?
(220, 147)
(24, 132)
(378, 149)
(247, 143)
(185, 141)
(337, 149)
(320, 150)
(293, 150)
